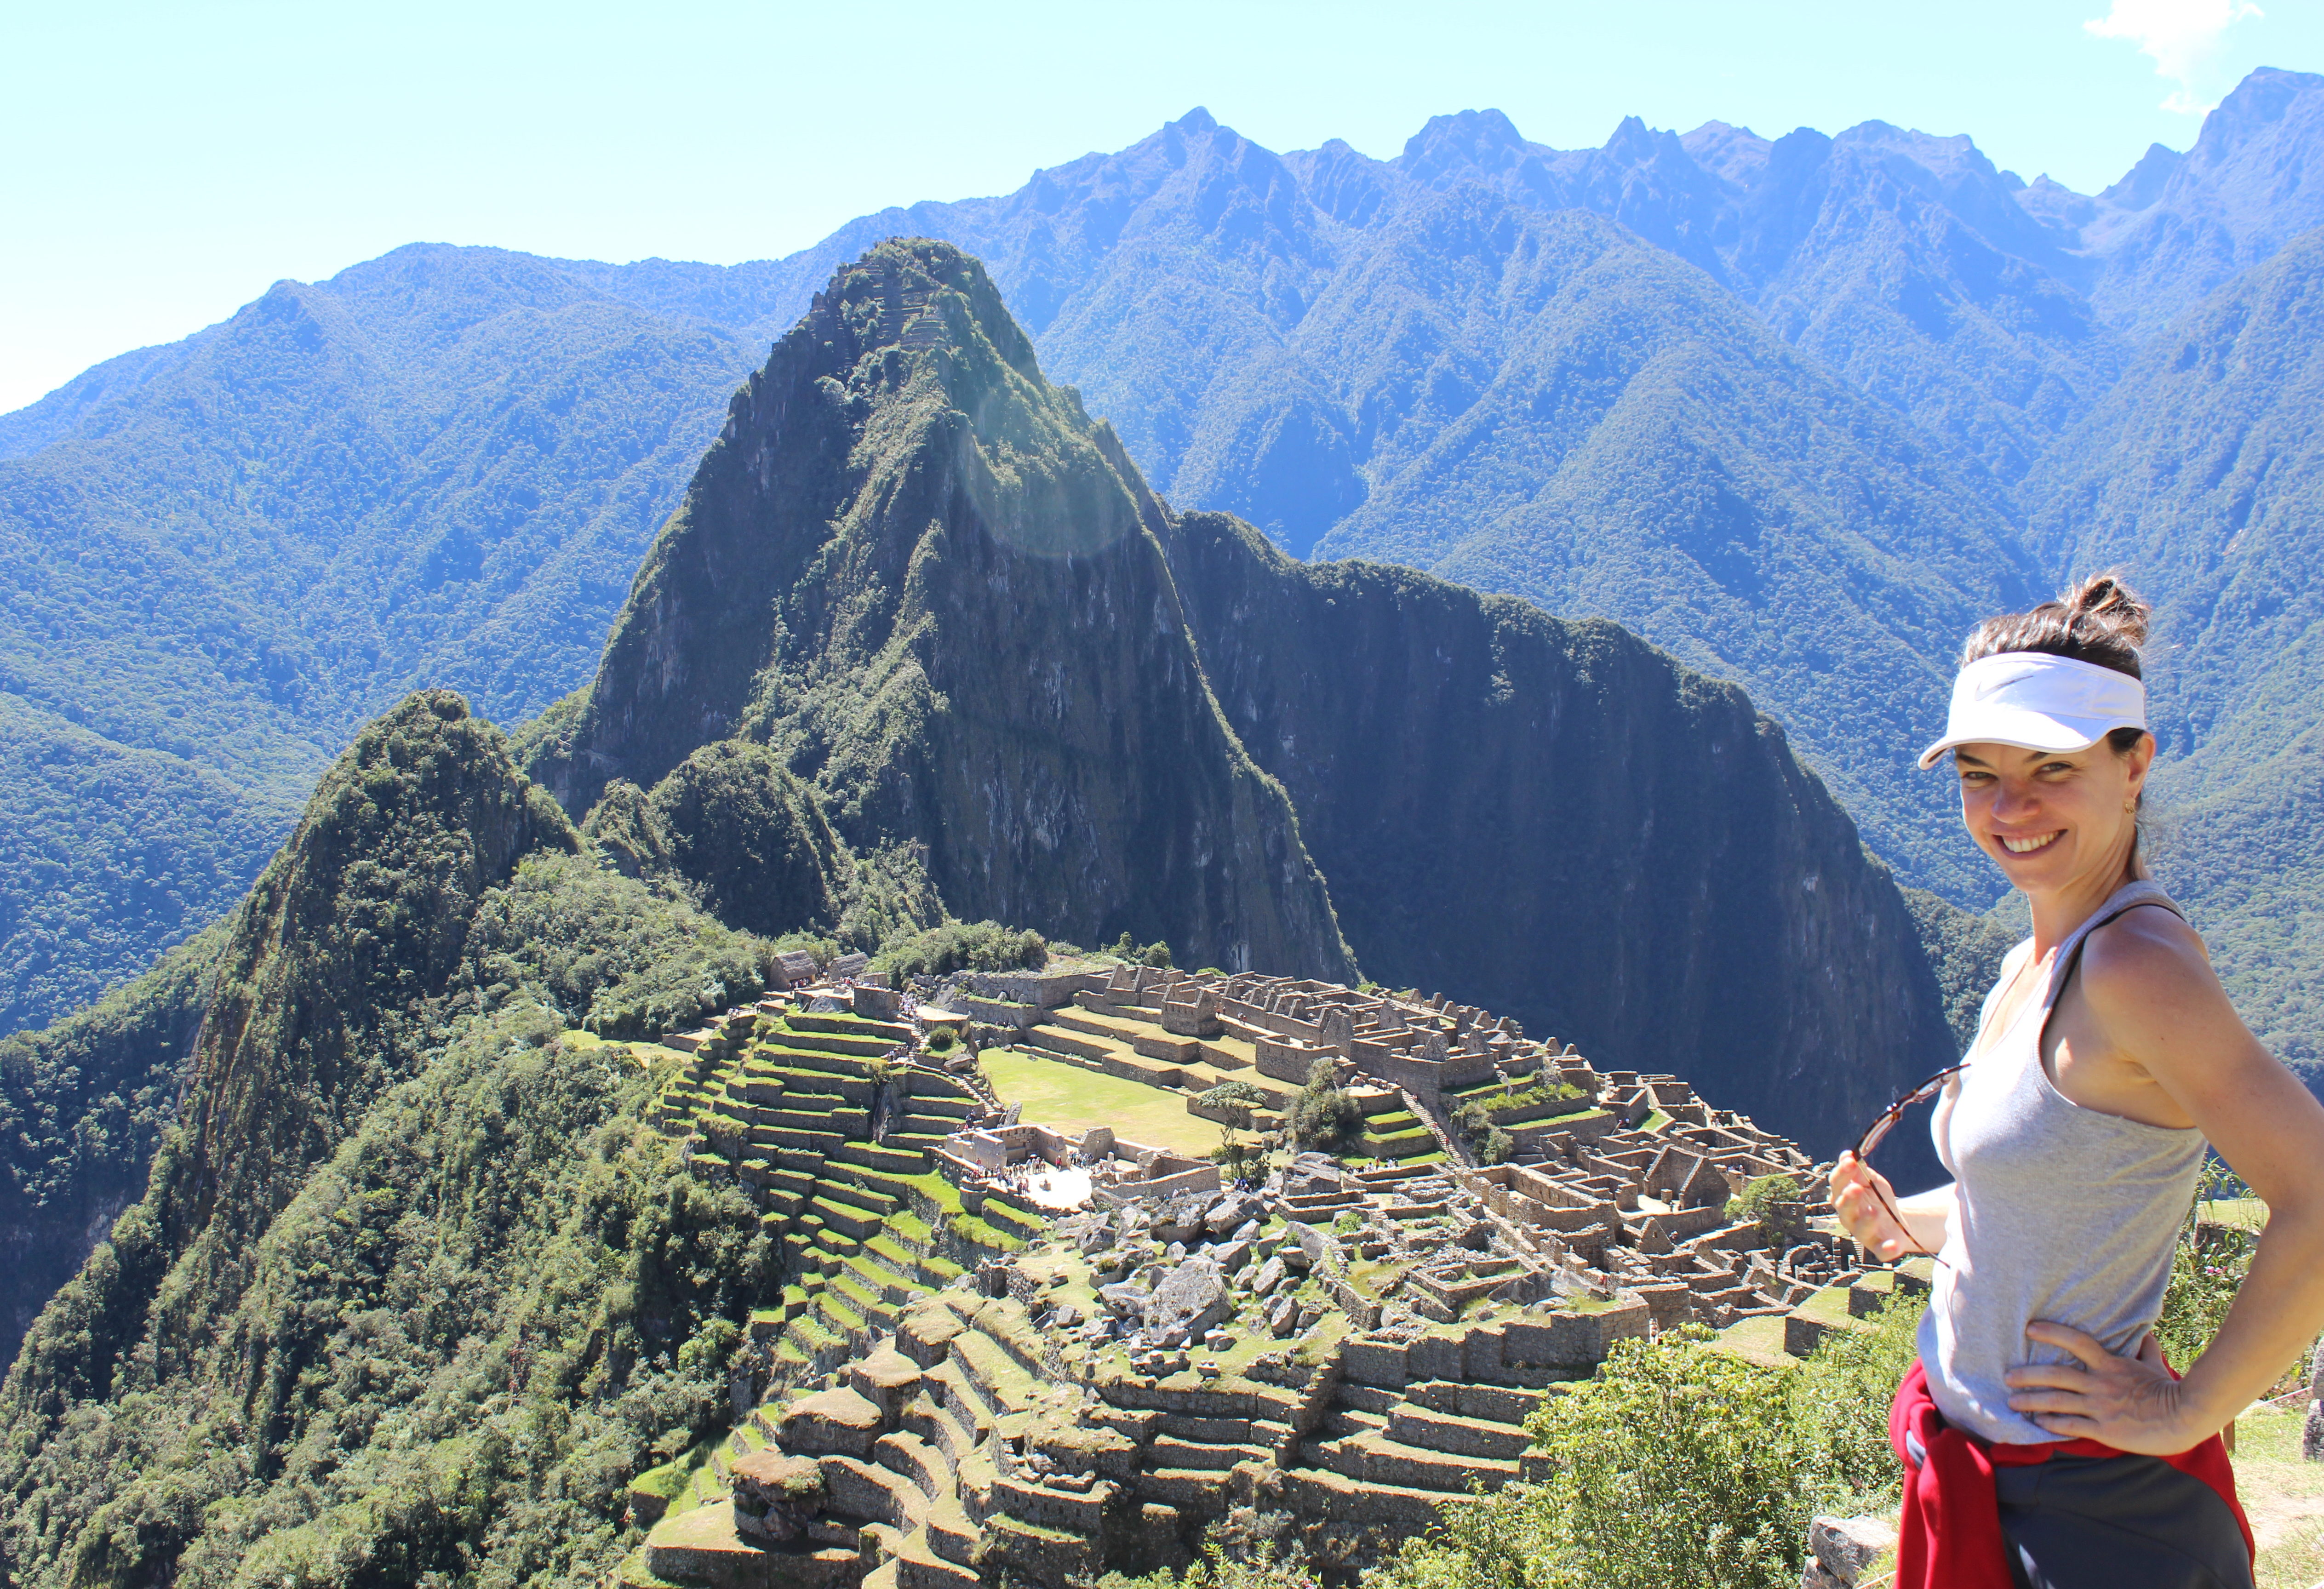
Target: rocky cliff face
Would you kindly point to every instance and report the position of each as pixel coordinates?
(1557, 819)
(930, 585)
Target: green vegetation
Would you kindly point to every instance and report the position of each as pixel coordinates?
(1074, 1099)
(1682, 1466)
(82, 1106)
(109, 855)
(618, 957)
(962, 946)
(2201, 477)
(396, 1209)
(2208, 1265)
(466, 453)
(460, 1340)
(1774, 1203)
(1154, 954)
(1231, 1092)
(1324, 1115)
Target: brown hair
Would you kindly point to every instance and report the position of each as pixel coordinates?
(2101, 620)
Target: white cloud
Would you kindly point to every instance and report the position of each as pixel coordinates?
(2180, 36)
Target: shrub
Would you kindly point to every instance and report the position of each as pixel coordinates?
(1232, 1092)
(942, 1041)
(1680, 1464)
(1324, 1115)
(2207, 1271)
(1156, 954)
(1775, 1204)
(962, 946)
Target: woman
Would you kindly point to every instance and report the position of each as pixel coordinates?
(2045, 1442)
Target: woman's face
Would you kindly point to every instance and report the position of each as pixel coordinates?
(2050, 818)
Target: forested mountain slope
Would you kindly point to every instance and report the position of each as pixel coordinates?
(2202, 476)
(2179, 225)
(391, 1210)
(436, 468)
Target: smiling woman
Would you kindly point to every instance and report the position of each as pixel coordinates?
(2044, 1438)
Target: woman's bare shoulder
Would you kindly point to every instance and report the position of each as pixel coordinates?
(2146, 958)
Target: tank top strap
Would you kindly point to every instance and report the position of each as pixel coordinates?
(2128, 897)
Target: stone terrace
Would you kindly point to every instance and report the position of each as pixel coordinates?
(959, 1391)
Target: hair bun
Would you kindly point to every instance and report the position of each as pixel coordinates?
(2103, 607)
(2101, 620)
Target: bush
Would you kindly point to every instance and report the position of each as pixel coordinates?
(1236, 1161)
(1324, 1115)
(1156, 954)
(2207, 1271)
(1232, 1092)
(1681, 1464)
(962, 946)
(1774, 1203)
(942, 1041)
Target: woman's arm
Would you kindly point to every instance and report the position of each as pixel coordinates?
(2157, 1001)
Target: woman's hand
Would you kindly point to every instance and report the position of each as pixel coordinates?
(2130, 1403)
(1863, 1201)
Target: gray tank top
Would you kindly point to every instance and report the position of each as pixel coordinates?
(2064, 1213)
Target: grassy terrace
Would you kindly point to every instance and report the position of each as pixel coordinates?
(1054, 1093)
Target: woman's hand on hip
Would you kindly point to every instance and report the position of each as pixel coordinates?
(1865, 1202)
(2129, 1402)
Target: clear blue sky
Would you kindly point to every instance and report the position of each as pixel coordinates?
(166, 163)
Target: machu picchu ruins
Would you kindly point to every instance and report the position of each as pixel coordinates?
(1014, 1349)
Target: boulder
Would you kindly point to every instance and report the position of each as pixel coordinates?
(1191, 1298)
(1851, 1547)
(1234, 1210)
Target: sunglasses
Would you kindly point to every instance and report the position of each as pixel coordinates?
(1879, 1132)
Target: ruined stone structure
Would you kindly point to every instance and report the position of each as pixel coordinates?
(1347, 1347)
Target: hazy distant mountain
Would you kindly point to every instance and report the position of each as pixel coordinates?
(442, 466)
(2179, 225)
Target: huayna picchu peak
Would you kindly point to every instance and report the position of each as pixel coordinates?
(923, 577)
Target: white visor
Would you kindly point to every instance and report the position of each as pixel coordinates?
(2037, 701)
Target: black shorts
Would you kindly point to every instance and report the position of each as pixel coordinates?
(2117, 1522)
